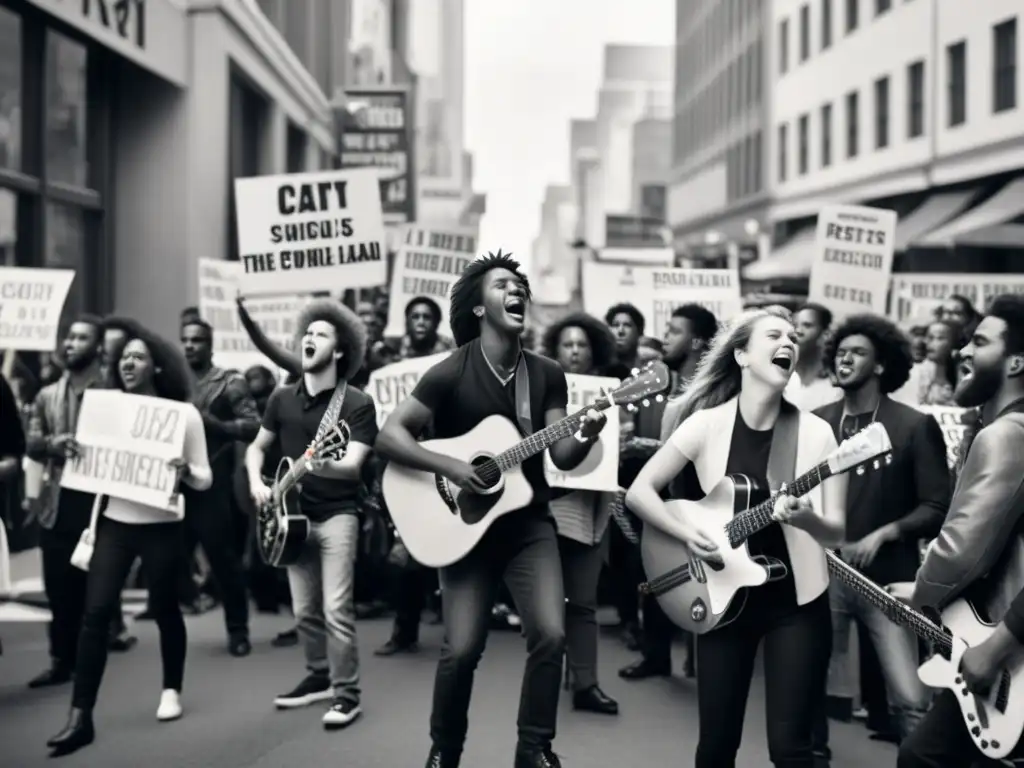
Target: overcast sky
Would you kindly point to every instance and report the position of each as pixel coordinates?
(531, 66)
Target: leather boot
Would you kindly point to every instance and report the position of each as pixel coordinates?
(78, 733)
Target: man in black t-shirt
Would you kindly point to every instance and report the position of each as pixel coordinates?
(488, 306)
(332, 343)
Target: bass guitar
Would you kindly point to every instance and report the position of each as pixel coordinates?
(439, 522)
(698, 595)
(995, 720)
(282, 529)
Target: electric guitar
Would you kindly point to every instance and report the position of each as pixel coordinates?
(995, 720)
(698, 595)
(440, 523)
(282, 529)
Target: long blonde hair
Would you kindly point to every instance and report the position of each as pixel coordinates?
(718, 376)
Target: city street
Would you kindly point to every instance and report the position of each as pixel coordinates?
(230, 721)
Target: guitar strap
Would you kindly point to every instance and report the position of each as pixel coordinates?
(333, 411)
(782, 455)
(523, 412)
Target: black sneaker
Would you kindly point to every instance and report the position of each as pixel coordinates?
(312, 689)
(537, 758)
(438, 759)
(341, 714)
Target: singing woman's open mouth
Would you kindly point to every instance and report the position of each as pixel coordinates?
(784, 360)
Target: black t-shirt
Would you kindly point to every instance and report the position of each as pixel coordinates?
(294, 417)
(748, 455)
(462, 390)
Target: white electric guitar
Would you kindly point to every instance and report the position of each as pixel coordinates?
(440, 523)
(996, 720)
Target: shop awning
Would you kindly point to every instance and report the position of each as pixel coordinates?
(1004, 205)
(930, 215)
(790, 260)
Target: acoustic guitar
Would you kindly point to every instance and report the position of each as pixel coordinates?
(698, 595)
(995, 720)
(440, 523)
(282, 529)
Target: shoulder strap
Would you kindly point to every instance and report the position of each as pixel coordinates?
(333, 411)
(523, 411)
(782, 455)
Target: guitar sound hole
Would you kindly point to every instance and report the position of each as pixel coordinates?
(486, 470)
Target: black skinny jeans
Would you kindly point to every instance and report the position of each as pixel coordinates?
(797, 647)
(117, 545)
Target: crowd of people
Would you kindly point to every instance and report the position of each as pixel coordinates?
(738, 384)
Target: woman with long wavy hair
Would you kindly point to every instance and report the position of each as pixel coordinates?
(145, 365)
(582, 344)
(730, 422)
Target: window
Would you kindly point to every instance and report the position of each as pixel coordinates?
(882, 6)
(956, 66)
(826, 24)
(783, 158)
(804, 129)
(1004, 66)
(915, 100)
(852, 16)
(852, 124)
(826, 135)
(295, 151)
(248, 112)
(882, 113)
(65, 138)
(10, 92)
(783, 46)
(756, 161)
(805, 32)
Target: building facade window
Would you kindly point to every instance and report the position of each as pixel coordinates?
(805, 32)
(915, 100)
(956, 66)
(803, 128)
(852, 124)
(757, 162)
(248, 112)
(882, 113)
(882, 6)
(826, 24)
(783, 46)
(1004, 66)
(783, 151)
(826, 135)
(852, 16)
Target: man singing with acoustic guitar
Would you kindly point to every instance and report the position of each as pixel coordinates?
(491, 374)
(332, 344)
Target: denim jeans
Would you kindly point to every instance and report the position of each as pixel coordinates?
(942, 741)
(323, 599)
(897, 650)
(581, 569)
(522, 549)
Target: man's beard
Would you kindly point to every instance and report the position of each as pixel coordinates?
(676, 359)
(979, 388)
(78, 365)
(317, 366)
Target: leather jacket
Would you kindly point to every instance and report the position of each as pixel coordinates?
(979, 553)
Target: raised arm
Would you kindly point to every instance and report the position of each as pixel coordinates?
(278, 356)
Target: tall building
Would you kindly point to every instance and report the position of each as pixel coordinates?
(718, 188)
(120, 136)
(913, 106)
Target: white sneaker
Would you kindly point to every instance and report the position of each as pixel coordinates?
(341, 714)
(170, 706)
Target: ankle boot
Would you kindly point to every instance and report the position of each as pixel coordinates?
(77, 733)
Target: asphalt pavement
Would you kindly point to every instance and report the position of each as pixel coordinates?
(230, 721)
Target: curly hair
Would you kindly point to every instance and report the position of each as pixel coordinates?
(602, 344)
(626, 308)
(352, 336)
(892, 348)
(171, 377)
(467, 293)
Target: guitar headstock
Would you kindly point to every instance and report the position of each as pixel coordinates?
(870, 445)
(649, 381)
(332, 445)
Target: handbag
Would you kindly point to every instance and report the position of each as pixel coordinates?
(82, 555)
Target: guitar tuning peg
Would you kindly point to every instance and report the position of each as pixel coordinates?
(646, 402)
(877, 464)
(860, 470)
(659, 399)
(888, 459)
(634, 372)
(630, 407)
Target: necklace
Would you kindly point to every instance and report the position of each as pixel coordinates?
(847, 433)
(503, 378)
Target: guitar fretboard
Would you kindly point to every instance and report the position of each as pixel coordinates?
(749, 522)
(539, 441)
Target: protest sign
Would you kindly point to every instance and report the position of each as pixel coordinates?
(599, 471)
(910, 290)
(307, 232)
(390, 385)
(428, 263)
(125, 443)
(31, 301)
(656, 291)
(953, 421)
(853, 259)
(232, 347)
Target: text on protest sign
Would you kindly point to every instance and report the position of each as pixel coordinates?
(390, 385)
(599, 471)
(428, 263)
(657, 291)
(953, 421)
(307, 232)
(126, 442)
(31, 301)
(910, 290)
(853, 259)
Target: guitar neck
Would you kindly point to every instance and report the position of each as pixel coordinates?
(539, 441)
(747, 523)
(894, 609)
(298, 470)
